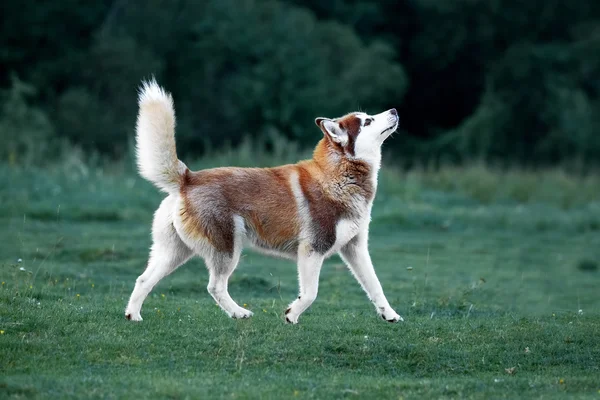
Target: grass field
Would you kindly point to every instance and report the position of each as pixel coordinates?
(496, 275)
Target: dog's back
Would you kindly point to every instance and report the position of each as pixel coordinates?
(261, 199)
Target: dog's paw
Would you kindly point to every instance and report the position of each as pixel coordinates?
(290, 318)
(391, 316)
(133, 316)
(241, 313)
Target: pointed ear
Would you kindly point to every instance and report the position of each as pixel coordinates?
(333, 130)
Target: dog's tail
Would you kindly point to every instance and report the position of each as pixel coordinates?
(155, 139)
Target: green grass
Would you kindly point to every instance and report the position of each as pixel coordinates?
(490, 270)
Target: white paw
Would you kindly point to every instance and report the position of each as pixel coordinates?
(391, 316)
(290, 317)
(241, 313)
(133, 316)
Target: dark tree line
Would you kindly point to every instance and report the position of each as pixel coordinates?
(499, 80)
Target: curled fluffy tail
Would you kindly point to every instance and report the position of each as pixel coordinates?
(155, 139)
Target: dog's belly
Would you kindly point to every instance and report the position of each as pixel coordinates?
(345, 231)
(287, 250)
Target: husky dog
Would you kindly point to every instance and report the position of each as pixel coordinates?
(305, 211)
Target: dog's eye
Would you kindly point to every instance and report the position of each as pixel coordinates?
(368, 121)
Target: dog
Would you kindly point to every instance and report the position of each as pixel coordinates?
(305, 212)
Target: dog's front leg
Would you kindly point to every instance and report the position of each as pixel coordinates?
(356, 255)
(309, 268)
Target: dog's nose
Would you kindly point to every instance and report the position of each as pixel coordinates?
(394, 112)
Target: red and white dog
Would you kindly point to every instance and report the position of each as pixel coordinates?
(306, 211)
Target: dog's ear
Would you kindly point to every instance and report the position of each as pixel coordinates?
(332, 130)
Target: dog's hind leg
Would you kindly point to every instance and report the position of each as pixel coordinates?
(220, 267)
(168, 252)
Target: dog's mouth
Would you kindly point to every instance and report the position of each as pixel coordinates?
(391, 128)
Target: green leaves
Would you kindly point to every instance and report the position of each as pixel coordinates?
(502, 80)
(25, 130)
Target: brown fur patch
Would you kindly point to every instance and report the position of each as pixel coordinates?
(346, 177)
(262, 197)
(332, 185)
(351, 124)
(324, 211)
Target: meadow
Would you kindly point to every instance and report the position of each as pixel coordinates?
(495, 273)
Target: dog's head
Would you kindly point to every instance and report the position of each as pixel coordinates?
(359, 135)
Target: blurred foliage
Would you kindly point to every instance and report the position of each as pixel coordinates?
(500, 81)
(25, 132)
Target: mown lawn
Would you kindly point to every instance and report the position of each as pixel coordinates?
(500, 291)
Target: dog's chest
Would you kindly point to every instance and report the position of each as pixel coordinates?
(346, 229)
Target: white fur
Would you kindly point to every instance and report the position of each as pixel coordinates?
(167, 253)
(369, 141)
(250, 242)
(335, 133)
(155, 138)
(356, 255)
(309, 269)
(309, 262)
(303, 210)
(345, 230)
(356, 252)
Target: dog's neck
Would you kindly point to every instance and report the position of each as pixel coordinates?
(346, 172)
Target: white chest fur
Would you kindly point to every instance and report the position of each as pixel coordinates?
(346, 230)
